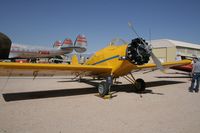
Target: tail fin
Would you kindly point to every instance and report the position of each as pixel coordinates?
(74, 60)
(67, 45)
(80, 44)
(57, 44)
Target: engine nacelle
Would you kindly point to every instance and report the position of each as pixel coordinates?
(80, 44)
(137, 52)
(5, 45)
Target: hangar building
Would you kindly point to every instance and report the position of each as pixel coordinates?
(171, 50)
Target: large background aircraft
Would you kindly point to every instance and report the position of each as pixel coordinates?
(18, 51)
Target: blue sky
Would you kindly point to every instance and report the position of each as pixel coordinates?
(41, 22)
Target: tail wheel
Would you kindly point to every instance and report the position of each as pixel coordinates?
(103, 89)
(140, 85)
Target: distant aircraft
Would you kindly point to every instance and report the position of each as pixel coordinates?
(17, 51)
(80, 44)
(185, 68)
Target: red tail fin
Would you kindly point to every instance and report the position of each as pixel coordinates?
(80, 43)
(57, 44)
(67, 43)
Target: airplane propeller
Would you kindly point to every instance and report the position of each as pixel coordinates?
(148, 49)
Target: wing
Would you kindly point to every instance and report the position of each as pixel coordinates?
(31, 69)
(165, 65)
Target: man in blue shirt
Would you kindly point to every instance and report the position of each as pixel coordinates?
(195, 75)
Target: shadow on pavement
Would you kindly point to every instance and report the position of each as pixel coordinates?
(82, 91)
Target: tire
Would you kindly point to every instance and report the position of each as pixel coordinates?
(103, 89)
(59, 59)
(140, 85)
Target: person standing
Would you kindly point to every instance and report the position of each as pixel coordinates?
(195, 75)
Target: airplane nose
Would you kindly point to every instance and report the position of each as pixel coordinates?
(137, 53)
(5, 45)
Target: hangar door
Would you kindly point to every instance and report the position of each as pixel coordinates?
(161, 53)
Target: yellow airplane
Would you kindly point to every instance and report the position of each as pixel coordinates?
(108, 63)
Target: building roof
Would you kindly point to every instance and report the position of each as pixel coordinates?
(171, 43)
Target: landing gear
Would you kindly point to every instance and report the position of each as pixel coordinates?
(33, 60)
(104, 87)
(139, 84)
(56, 59)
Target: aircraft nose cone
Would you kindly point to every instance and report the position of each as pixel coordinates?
(5, 45)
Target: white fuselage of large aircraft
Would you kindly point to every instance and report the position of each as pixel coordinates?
(9, 50)
(25, 51)
(59, 48)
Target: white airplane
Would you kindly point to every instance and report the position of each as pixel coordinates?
(18, 51)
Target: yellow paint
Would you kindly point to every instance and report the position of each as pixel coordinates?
(119, 67)
(74, 60)
(107, 97)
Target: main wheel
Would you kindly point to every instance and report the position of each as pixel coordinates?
(58, 59)
(140, 85)
(103, 89)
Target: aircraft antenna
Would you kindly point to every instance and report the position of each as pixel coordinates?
(150, 38)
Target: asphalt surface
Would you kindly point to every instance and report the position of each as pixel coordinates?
(59, 105)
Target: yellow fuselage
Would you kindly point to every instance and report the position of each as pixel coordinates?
(110, 56)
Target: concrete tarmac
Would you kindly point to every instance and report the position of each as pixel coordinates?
(59, 105)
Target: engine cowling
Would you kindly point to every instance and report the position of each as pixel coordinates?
(5, 46)
(137, 53)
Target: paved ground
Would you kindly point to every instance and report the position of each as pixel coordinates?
(55, 105)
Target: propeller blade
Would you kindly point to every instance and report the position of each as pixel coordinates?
(156, 61)
(148, 49)
(134, 31)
